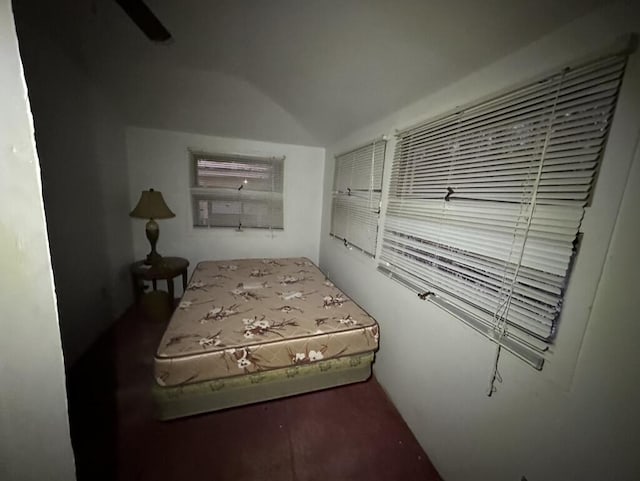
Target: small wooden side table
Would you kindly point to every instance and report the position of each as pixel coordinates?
(167, 269)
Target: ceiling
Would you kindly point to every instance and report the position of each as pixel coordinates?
(309, 71)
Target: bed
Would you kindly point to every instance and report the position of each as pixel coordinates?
(251, 330)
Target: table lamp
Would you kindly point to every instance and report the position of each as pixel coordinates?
(152, 206)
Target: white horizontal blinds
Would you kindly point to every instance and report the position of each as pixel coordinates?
(485, 204)
(357, 194)
(235, 191)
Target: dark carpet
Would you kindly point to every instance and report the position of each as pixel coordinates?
(347, 433)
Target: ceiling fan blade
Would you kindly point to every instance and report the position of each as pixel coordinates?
(145, 19)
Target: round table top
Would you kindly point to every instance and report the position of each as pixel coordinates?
(168, 267)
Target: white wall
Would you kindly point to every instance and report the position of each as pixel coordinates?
(34, 431)
(578, 419)
(81, 143)
(159, 159)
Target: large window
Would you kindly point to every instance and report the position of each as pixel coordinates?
(485, 203)
(357, 191)
(237, 191)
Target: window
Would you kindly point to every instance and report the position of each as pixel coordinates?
(357, 190)
(485, 204)
(237, 191)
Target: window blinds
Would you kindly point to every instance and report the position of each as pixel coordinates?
(236, 191)
(357, 190)
(485, 204)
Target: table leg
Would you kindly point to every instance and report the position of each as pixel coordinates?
(136, 287)
(171, 293)
(155, 284)
(184, 281)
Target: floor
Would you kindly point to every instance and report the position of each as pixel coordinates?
(346, 433)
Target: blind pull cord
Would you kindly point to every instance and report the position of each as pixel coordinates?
(239, 229)
(502, 320)
(453, 159)
(273, 188)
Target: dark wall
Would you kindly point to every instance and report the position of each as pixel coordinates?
(80, 141)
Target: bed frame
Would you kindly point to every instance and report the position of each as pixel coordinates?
(208, 396)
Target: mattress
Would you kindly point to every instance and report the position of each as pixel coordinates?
(254, 315)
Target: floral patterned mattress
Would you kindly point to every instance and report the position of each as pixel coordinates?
(244, 316)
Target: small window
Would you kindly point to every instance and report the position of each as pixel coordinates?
(357, 191)
(237, 191)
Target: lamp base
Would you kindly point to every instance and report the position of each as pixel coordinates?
(153, 258)
(153, 232)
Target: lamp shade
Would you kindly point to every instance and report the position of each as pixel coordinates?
(151, 206)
